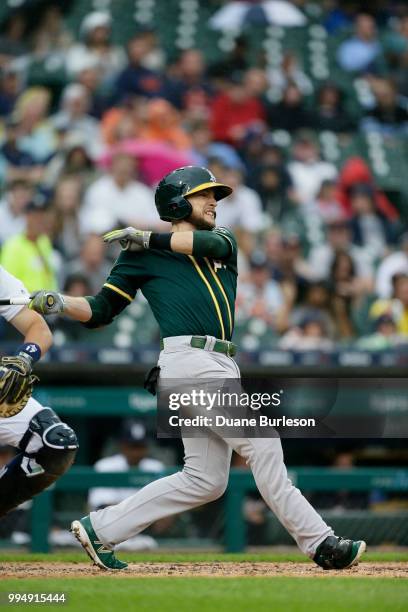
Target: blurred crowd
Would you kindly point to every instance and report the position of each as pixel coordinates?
(323, 249)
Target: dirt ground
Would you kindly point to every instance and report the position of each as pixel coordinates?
(225, 569)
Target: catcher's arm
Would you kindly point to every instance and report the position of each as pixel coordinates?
(16, 378)
(33, 328)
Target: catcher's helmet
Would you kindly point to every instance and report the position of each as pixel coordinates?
(171, 192)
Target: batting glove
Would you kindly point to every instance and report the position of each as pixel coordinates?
(130, 239)
(47, 302)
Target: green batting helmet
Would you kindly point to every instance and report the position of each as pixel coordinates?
(170, 197)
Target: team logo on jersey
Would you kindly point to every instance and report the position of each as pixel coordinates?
(218, 265)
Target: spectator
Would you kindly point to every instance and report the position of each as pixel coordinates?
(397, 306)
(124, 122)
(13, 37)
(307, 170)
(74, 115)
(330, 113)
(91, 262)
(371, 230)
(243, 209)
(234, 112)
(12, 219)
(163, 124)
(355, 170)
(310, 335)
(235, 61)
(117, 199)
(36, 132)
(95, 33)
(325, 207)
(390, 113)
(385, 335)
(315, 304)
(133, 454)
(67, 202)
(396, 42)
(362, 52)
(395, 263)
(290, 113)
(11, 85)
(73, 157)
(339, 16)
(154, 57)
(89, 74)
(273, 190)
(261, 297)
(288, 73)
(29, 256)
(204, 149)
(338, 239)
(347, 290)
(15, 163)
(135, 78)
(192, 89)
(50, 36)
(286, 266)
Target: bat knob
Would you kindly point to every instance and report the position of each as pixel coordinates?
(50, 300)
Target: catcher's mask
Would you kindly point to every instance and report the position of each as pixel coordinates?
(172, 191)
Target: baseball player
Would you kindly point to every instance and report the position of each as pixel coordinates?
(47, 446)
(189, 278)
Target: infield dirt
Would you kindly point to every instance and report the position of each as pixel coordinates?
(40, 569)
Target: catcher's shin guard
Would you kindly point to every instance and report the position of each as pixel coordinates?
(30, 473)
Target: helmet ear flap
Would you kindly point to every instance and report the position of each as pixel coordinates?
(179, 208)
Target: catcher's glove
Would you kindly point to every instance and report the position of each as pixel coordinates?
(16, 384)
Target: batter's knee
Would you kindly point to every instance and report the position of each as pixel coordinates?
(218, 489)
(208, 486)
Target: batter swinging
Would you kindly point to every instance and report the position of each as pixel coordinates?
(189, 278)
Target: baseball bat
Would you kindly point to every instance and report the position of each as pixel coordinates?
(21, 300)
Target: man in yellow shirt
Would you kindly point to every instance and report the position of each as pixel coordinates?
(28, 255)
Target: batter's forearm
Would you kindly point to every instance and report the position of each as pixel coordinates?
(182, 242)
(77, 308)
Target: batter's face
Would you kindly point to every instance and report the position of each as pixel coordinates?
(204, 205)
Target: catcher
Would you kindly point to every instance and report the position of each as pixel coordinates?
(47, 446)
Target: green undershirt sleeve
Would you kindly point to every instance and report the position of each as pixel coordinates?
(105, 306)
(210, 244)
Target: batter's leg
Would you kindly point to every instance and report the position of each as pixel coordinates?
(265, 458)
(203, 479)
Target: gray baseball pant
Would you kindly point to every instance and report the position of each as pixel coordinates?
(204, 476)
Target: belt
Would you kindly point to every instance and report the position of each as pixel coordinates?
(220, 346)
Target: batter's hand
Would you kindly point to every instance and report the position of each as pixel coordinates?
(47, 302)
(130, 238)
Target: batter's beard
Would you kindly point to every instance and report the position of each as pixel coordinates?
(200, 223)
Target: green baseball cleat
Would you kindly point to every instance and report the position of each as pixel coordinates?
(337, 553)
(101, 556)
